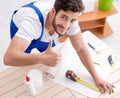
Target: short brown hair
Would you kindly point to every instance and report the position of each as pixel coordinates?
(65, 5)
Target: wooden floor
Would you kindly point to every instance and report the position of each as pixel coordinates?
(12, 86)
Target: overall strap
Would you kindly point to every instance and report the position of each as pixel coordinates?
(14, 28)
(38, 12)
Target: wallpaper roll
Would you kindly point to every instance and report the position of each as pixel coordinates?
(51, 72)
(62, 49)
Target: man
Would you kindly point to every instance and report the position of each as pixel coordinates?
(33, 29)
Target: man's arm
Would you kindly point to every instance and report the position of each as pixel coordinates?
(15, 55)
(83, 53)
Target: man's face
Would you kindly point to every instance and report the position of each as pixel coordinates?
(63, 20)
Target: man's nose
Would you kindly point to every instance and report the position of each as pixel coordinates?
(67, 24)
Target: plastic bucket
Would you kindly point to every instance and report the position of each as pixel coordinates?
(105, 5)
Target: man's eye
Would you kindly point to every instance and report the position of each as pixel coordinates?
(73, 20)
(64, 18)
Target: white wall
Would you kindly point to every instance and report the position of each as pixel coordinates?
(7, 7)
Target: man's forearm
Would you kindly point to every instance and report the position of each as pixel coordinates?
(87, 62)
(18, 58)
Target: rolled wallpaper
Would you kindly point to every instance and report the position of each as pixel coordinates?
(62, 49)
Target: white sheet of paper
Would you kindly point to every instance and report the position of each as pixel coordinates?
(71, 62)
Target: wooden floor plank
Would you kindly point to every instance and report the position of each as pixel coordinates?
(73, 96)
(46, 85)
(19, 90)
(78, 95)
(15, 92)
(16, 74)
(12, 81)
(8, 72)
(49, 93)
(64, 94)
(12, 85)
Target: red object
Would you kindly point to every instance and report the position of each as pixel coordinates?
(27, 78)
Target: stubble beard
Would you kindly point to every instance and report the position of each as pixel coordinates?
(55, 27)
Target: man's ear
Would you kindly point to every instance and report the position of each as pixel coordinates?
(53, 10)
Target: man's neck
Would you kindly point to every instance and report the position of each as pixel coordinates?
(48, 24)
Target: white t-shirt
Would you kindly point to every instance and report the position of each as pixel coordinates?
(29, 25)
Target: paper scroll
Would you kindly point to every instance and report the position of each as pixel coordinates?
(62, 49)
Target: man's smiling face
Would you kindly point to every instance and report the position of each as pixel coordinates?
(63, 20)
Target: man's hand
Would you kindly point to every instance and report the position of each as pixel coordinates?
(50, 57)
(104, 86)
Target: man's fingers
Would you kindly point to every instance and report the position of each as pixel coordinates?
(49, 45)
(106, 89)
(103, 89)
(110, 88)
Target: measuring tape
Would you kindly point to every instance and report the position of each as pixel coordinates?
(72, 76)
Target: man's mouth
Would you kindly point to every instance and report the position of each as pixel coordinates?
(61, 28)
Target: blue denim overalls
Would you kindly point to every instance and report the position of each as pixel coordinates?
(36, 43)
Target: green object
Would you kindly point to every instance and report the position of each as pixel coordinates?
(105, 5)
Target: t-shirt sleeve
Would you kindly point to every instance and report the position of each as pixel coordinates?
(29, 26)
(74, 29)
